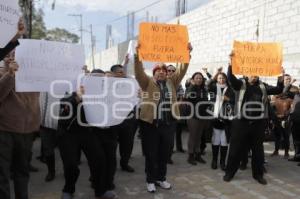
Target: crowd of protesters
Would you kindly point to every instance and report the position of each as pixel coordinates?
(234, 114)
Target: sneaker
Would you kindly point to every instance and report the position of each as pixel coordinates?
(151, 187)
(164, 184)
(67, 196)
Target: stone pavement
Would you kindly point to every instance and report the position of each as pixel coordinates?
(189, 182)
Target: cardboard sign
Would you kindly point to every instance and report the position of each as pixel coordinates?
(257, 59)
(48, 66)
(9, 17)
(164, 43)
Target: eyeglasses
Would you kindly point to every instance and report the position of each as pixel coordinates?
(171, 71)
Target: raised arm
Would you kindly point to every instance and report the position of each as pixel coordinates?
(9, 47)
(235, 83)
(14, 41)
(275, 90)
(181, 71)
(140, 75)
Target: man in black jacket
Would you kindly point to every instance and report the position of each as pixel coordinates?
(249, 124)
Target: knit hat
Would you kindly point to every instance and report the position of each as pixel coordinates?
(158, 67)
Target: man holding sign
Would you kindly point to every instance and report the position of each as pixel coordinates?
(158, 109)
(249, 124)
(20, 118)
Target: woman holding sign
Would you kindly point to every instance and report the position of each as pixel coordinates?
(157, 122)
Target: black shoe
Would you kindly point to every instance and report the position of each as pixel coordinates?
(50, 176)
(243, 167)
(265, 170)
(223, 166)
(214, 164)
(261, 180)
(294, 159)
(191, 159)
(127, 168)
(227, 178)
(33, 169)
(200, 159)
(170, 161)
(181, 150)
(298, 164)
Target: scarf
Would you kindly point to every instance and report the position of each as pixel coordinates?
(219, 99)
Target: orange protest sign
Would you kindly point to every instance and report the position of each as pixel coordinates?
(163, 43)
(257, 59)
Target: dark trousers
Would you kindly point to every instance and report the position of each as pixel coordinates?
(244, 134)
(107, 139)
(126, 132)
(157, 142)
(15, 152)
(282, 132)
(49, 141)
(70, 143)
(296, 139)
(178, 135)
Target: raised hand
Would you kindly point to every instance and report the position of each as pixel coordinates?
(13, 67)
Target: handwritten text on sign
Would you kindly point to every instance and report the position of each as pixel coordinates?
(47, 63)
(9, 16)
(257, 59)
(163, 43)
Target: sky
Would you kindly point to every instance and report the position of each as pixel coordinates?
(102, 12)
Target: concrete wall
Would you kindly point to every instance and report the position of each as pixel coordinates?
(214, 26)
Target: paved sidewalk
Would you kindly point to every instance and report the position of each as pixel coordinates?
(189, 182)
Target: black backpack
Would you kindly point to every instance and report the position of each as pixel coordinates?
(67, 113)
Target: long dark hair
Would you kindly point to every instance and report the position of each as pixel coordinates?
(203, 79)
(224, 75)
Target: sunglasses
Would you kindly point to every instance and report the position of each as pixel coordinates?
(171, 70)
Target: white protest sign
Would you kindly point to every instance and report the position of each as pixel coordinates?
(47, 66)
(9, 17)
(108, 101)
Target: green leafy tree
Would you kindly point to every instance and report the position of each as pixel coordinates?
(39, 29)
(62, 35)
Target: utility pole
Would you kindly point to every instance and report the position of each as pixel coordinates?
(92, 45)
(81, 29)
(257, 31)
(30, 6)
